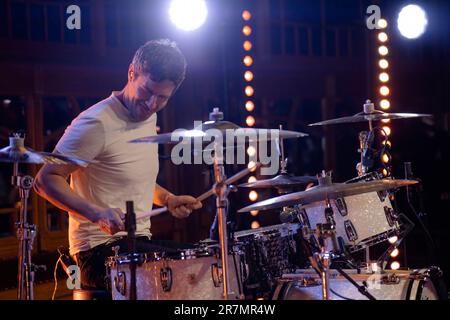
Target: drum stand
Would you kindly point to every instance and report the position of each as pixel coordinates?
(25, 234)
(221, 190)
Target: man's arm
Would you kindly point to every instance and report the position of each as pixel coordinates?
(179, 206)
(51, 184)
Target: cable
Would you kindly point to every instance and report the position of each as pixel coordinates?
(55, 277)
(340, 296)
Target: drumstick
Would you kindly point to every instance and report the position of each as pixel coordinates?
(203, 196)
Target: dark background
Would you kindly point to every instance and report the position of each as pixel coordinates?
(313, 60)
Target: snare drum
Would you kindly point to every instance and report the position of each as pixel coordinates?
(361, 220)
(423, 284)
(194, 274)
(268, 253)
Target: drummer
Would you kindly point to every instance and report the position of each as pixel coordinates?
(119, 171)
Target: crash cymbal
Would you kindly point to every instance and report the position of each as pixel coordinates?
(280, 181)
(246, 134)
(17, 152)
(376, 115)
(226, 129)
(327, 191)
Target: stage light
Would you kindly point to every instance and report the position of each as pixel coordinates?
(246, 15)
(253, 195)
(383, 63)
(250, 121)
(188, 15)
(248, 75)
(247, 45)
(383, 50)
(395, 253)
(412, 21)
(254, 213)
(255, 225)
(249, 105)
(384, 90)
(386, 131)
(251, 165)
(385, 104)
(246, 30)
(395, 265)
(382, 23)
(386, 120)
(386, 158)
(384, 77)
(248, 61)
(251, 151)
(385, 172)
(393, 239)
(382, 36)
(251, 179)
(249, 91)
(387, 143)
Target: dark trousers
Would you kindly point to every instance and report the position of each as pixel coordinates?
(92, 262)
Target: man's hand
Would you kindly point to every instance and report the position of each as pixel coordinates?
(182, 206)
(110, 220)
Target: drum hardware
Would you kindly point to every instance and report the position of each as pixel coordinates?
(341, 206)
(120, 282)
(166, 279)
(131, 242)
(216, 275)
(17, 153)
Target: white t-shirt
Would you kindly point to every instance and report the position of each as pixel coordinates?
(123, 171)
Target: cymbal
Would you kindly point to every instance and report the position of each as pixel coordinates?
(376, 115)
(226, 129)
(26, 155)
(280, 181)
(330, 191)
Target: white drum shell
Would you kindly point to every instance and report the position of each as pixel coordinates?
(407, 287)
(191, 279)
(366, 212)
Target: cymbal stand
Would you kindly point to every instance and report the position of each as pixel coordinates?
(324, 231)
(365, 143)
(25, 232)
(221, 189)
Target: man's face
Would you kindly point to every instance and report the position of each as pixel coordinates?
(146, 96)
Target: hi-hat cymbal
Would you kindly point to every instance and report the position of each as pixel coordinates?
(209, 129)
(17, 152)
(331, 191)
(280, 181)
(376, 115)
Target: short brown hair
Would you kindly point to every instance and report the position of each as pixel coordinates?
(162, 59)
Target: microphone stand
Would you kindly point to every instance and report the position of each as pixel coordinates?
(131, 241)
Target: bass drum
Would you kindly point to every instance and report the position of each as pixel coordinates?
(423, 284)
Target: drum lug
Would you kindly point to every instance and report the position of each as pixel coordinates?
(216, 274)
(303, 218)
(341, 206)
(166, 279)
(382, 195)
(120, 282)
(391, 217)
(350, 230)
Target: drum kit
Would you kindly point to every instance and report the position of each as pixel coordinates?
(322, 225)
